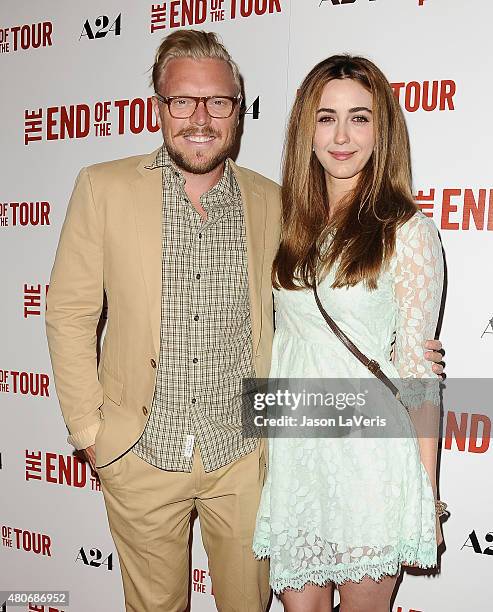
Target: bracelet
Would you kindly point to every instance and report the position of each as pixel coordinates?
(441, 508)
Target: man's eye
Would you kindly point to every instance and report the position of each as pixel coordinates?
(181, 101)
(219, 101)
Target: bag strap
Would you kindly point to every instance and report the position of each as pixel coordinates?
(372, 365)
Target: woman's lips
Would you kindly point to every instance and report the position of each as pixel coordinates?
(341, 155)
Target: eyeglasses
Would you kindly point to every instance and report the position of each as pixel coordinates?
(183, 107)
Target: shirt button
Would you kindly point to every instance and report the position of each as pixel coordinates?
(195, 360)
(153, 363)
(197, 276)
(144, 410)
(200, 236)
(193, 400)
(196, 318)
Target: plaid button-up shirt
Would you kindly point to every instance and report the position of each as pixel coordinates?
(206, 334)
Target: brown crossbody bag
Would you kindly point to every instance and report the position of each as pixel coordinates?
(374, 367)
(371, 364)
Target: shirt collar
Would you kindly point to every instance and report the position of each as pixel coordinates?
(162, 160)
(227, 185)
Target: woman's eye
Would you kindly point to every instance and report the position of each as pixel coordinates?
(325, 119)
(360, 119)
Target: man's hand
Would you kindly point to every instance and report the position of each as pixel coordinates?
(90, 453)
(435, 354)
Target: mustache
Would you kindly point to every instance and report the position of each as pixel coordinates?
(194, 132)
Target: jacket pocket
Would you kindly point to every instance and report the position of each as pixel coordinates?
(112, 388)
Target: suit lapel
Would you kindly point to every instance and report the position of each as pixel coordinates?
(254, 205)
(148, 202)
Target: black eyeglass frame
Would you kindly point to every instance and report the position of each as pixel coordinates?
(236, 100)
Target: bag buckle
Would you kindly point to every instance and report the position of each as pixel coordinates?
(373, 366)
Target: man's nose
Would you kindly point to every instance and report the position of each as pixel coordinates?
(200, 115)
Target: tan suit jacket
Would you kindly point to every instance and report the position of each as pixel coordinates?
(111, 243)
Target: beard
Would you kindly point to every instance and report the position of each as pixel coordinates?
(200, 162)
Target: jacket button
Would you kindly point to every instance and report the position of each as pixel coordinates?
(144, 410)
(153, 363)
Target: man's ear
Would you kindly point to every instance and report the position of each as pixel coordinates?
(155, 108)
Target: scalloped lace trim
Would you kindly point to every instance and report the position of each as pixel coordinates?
(342, 572)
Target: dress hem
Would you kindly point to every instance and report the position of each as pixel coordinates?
(345, 573)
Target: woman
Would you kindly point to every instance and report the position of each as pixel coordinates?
(345, 511)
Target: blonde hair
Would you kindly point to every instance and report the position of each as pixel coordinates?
(195, 44)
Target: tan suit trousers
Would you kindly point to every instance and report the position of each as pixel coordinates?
(149, 512)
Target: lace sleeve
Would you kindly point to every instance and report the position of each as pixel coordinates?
(418, 291)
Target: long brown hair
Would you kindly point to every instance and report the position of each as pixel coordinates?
(363, 229)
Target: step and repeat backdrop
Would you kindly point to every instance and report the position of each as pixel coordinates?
(75, 91)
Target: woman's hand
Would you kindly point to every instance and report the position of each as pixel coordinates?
(439, 533)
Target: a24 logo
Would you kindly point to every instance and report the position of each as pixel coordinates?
(473, 542)
(95, 558)
(102, 27)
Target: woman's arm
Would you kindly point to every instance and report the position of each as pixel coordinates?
(418, 291)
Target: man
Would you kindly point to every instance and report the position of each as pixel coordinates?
(181, 242)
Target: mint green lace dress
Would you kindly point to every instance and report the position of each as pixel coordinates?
(339, 509)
